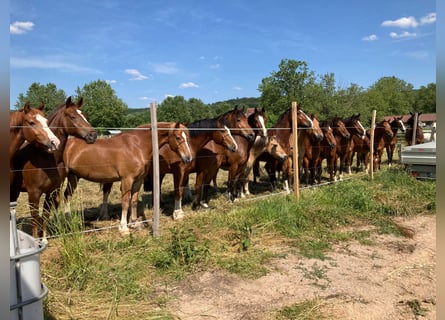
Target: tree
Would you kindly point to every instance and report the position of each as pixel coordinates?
(425, 99)
(287, 84)
(392, 96)
(174, 109)
(101, 105)
(38, 93)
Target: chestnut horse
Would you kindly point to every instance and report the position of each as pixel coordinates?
(283, 130)
(125, 157)
(382, 135)
(396, 125)
(410, 131)
(201, 132)
(345, 146)
(313, 149)
(29, 124)
(39, 172)
(213, 157)
(339, 132)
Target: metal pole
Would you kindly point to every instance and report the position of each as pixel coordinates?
(156, 186)
(295, 150)
(413, 139)
(374, 112)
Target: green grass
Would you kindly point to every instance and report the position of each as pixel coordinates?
(119, 273)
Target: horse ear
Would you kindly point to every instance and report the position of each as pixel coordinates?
(68, 101)
(80, 102)
(27, 107)
(177, 125)
(236, 108)
(263, 110)
(41, 106)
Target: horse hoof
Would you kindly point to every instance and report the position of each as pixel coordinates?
(178, 215)
(204, 205)
(124, 231)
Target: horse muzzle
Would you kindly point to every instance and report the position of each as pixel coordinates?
(186, 159)
(91, 137)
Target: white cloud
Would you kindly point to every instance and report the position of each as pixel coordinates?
(237, 88)
(405, 34)
(20, 27)
(136, 75)
(144, 98)
(110, 81)
(371, 37)
(186, 85)
(428, 19)
(47, 63)
(166, 68)
(404, 22)
(215, 66)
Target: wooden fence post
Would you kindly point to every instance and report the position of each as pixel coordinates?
(413, 138)
(371, 173)
(156, 187)
(295, 151)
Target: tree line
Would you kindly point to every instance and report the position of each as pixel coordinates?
(293, 81)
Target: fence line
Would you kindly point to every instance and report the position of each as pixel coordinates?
(254, 198)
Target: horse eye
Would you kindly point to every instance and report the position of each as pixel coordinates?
(178, 138)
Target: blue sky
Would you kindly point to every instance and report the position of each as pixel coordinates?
(215, 50)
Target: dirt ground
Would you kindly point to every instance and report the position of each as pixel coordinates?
(392, 278)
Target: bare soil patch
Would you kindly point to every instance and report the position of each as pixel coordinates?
(392, 278)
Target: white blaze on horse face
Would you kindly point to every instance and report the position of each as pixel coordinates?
(402, 125)
(52, 137)
(364, 131)
(82, 115)
(309, 119)
(230, 134)
(187, 144)
(263, 125)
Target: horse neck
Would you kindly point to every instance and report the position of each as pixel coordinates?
(199, 138)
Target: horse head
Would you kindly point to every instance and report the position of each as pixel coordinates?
(238, 124)
(257, 120)
(274, 148)
(35, 128)
(339, 128)
(328, 134)
(223, 136)
(178, 140)
(72, 119)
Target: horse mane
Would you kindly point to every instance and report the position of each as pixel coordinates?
(55, 113)
(281, 119)
(208, 124)
(14, 119)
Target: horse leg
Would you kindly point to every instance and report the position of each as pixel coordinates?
(69, 190)
(103, 212)
(33, 201)
(178, 180)
(126, 186)
(196, 204)
(51, 202)
(134, 198)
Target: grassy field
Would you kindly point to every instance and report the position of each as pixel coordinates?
(101, 275)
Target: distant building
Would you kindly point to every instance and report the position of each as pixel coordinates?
(427, 118)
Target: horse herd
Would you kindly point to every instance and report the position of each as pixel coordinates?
(44, 152)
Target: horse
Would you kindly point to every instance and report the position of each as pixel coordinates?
(339, 132)
(431, 136)
(283, 130)
(362, 148)
(316, 151)
(29, 124)
(213, 157)
(396, 125)
(409, 133)
(125, 157)
(201, 132)
(382, 135)
(312, 149)
(39, 172)
(345, 146)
